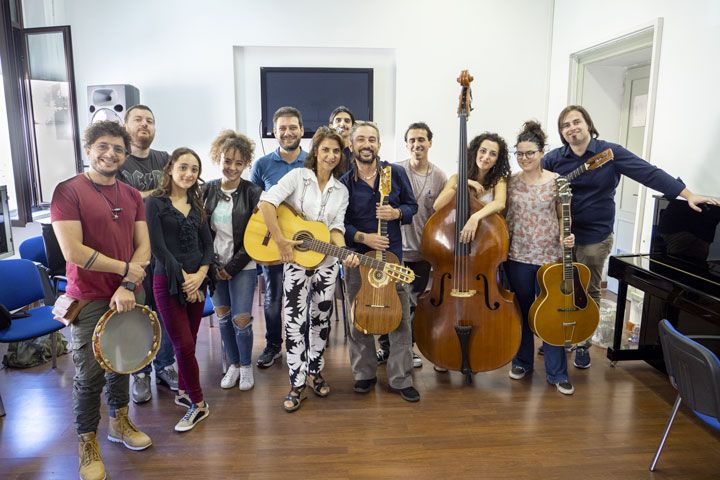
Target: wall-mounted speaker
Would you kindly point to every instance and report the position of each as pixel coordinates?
(110, 102)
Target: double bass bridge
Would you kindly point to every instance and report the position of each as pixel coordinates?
(462, 293)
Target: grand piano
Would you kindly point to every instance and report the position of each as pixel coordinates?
(680, 278)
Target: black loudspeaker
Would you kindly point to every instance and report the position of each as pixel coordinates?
(109, 102)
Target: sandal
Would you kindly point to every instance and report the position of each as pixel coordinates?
(320, 386)
(295, 397)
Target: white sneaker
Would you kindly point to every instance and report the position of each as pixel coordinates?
(246, 377)
(231, 377)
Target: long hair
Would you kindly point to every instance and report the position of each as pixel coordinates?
(321, 134)
(501, 169)
(194, 193)
(576, 108)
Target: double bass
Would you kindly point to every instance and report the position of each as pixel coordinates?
(467, 322)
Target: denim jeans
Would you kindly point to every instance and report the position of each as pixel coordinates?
(522, 278)
(273, 303)
(237, 294)
(165, 355)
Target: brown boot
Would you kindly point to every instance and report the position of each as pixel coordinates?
(91, 464)
(123, 431)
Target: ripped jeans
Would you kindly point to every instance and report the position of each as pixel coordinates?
(237, 295)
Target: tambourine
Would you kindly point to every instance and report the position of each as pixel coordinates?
(126, 342)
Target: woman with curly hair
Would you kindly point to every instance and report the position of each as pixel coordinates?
(488, 170)
(182, 245)
(229, 203)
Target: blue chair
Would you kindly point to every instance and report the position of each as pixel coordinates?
(22, 286)
(694, 371)
(33, 249)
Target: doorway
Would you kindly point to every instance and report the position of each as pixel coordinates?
(616, 81)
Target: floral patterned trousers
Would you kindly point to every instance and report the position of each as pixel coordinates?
(306, 333)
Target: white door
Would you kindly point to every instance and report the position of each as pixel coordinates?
(632, 134)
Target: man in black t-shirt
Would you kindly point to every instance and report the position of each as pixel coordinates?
(142, 170)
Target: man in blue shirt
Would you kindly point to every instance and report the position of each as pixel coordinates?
(593, 204)
(266, 172)
(361, 225)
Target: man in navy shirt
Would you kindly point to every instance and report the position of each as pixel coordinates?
(266, 172)
(593, 204)
(361, 225)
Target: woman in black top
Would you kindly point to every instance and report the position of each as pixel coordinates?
(182, 245)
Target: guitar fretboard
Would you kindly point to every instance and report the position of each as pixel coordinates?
(566, 251)
(577, 172)
(342, 253)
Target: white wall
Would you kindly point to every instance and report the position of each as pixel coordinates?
(180, 55)
(687, 113)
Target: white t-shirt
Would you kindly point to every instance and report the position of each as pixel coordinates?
(221, 223)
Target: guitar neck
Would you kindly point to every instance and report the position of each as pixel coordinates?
(382, 231)
(577, 172)
(343, 253)
(567, 260)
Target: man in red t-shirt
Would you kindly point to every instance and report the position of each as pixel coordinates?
(100, 226)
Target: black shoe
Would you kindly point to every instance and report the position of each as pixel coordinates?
(409, 394)
(364, 386)
(382, 356)
(268, 356)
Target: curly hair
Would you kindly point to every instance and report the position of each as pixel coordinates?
(501, 169)
(105, 127)
(321, 134)
(231, 140)
(194, 192)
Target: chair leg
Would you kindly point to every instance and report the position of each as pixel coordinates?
(2, 408)
(53, 349)
(670, 421)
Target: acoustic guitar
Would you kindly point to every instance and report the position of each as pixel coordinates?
(315, 238)
(564, 314)
(377, 307)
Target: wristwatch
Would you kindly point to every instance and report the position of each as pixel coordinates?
(128, 285)
(361, 237)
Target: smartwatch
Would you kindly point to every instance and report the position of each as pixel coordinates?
(127, 284)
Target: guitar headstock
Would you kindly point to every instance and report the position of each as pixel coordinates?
(464, 106)
(399, 273)
(563, 190)
(385, 182)
(597, 161)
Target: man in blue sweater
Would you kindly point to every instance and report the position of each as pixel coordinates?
(266, 172)
(593, 204)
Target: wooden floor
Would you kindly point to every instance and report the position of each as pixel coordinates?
(494, 429)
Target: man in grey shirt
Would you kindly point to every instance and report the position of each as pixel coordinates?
(427, 181)
(142, 170)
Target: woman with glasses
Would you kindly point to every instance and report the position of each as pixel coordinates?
(488, 169)
(183, 249)
(229, 203)
(535, 235)
(318, 195)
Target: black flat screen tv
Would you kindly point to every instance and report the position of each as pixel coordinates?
(316, 92)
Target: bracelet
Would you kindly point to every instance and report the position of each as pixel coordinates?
(127, 269)
(91, 260)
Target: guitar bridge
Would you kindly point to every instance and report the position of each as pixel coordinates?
(462, 294)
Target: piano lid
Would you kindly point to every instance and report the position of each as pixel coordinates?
(686, 241)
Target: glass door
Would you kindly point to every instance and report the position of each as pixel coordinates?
(49, 79)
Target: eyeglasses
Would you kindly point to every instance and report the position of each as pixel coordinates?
(104, 147)
(528, 154)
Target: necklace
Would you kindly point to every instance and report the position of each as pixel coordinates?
(413, 178)
(369, 177)
(112, 206)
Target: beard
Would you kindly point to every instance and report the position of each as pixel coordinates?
(359, 158)
(293, 146)
(142, 142)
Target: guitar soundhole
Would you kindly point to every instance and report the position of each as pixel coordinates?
(303, 236)
(378, 275)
